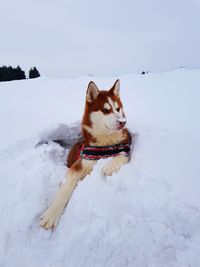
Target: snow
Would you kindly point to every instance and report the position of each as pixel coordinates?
(146, 215)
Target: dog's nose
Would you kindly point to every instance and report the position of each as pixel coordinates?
(121, 124)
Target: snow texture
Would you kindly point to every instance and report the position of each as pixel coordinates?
(146, 215)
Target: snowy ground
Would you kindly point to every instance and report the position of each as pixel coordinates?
(147, 215)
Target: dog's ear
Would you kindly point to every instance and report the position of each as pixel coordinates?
(92, 92)
(116, 88)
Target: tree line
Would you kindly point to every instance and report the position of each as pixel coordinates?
(9, 73)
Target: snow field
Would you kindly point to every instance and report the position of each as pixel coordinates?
(146, 215)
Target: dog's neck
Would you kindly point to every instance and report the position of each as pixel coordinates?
(95, 137)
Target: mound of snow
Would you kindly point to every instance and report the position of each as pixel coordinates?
(148, 214)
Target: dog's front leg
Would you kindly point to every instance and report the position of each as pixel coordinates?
(114, 164)
(77, 172)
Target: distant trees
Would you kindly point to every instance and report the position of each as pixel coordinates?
(144, 72)
(33, 73)
(9, 73)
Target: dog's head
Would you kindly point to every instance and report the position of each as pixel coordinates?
(104, 109)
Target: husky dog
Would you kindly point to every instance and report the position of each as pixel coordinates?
(104, 135)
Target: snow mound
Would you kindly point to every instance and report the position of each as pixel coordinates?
(146, 215)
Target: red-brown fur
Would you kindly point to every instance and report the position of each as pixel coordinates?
(73, 155)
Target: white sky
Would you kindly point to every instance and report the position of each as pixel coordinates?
(73, 37)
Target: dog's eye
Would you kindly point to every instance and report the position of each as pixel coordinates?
(105, 110)
(118, 109)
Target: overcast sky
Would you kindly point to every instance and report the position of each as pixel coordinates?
(73, 37)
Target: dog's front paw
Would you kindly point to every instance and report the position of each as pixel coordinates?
(50, 218)
(110, 168)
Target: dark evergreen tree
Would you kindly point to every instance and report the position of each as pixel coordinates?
(19, 73)
(33, 73)
(5, 73)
